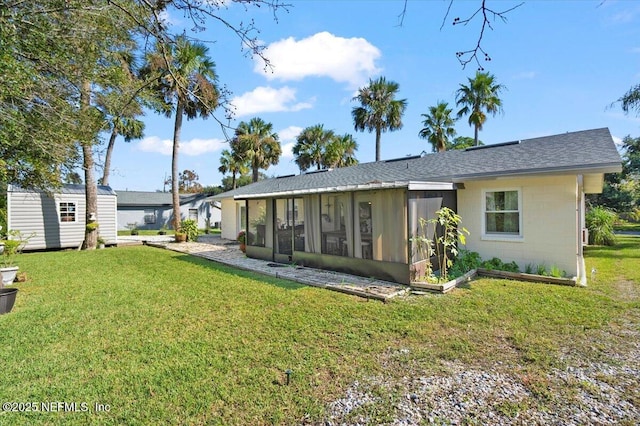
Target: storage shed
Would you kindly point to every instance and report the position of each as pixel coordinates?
(57, 220)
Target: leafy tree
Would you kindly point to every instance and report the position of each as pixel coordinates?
(631, 99)
(438, 126)
(232, 161)
(380, 110)
(340, 152)
(121, 107)
(462, 142)
(621, 191)
(186, 83)
(479, 98)
(227, 184)
(188, 182)
(258, 143)
(310, 147)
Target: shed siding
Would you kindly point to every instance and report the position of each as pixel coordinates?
(37, 215)
(549, 228)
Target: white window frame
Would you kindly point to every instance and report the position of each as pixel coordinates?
(498, 236)
(66, 211)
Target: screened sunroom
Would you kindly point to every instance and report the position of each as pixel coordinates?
(363, 232)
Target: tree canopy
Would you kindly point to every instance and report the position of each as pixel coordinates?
(379, 110)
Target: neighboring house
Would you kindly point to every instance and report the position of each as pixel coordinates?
(58, 220)
(522, 201)
(153, 210)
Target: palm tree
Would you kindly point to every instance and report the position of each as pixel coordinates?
(311, 145)
(379, 110)
(258, 143)
(479, 96)
(122, 123)
(438, 126)
(186, 81)
(341, 152)
(230, 161)
(121, 106)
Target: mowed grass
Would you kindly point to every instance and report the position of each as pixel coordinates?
(159, 337)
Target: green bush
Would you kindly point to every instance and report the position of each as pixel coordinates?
(499, 265)
(466, 261)
(190, 227)
(600, 224)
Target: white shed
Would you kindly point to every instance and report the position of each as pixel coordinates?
(57, 220)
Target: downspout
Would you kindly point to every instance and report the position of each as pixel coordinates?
(582, 273)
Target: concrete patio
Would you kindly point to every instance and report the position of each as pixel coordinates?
(227, 252)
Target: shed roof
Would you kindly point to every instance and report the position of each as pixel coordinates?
(587, 151)
(65, 189)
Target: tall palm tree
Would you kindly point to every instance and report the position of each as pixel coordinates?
(122, 106)
(438, 126)
(231, 162)
(480, 96)
(341, 152)
(380, 110)
(258, 143)
(122, 122)
(187, 86)
(310, 147)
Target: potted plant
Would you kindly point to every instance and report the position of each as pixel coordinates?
(101, 242)
(163, 230)
(242, 239)
(8, 270)
(133, 227)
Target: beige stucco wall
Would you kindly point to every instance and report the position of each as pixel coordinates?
(229, 218)
(549, 229)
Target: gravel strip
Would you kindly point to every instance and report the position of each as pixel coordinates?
(592, 393)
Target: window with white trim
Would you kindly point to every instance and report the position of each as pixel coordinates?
(67, 212)
(502, 213)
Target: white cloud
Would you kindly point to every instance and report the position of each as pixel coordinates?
(348, 60)
(287, 150)
(267, 99)
(288, 140)
(193, 147)
(617, 141)
(290, 133)
(526, 75)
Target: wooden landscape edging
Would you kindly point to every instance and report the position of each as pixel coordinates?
(526, 277)
(492, 273)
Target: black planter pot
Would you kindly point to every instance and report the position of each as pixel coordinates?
(7, 299)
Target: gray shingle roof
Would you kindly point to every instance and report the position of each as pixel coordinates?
(66, 189)
(156, 199)
(587, 151)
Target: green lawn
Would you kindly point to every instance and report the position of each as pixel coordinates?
(627, 227)
(165, 338)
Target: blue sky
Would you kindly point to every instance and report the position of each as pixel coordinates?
(563, 63)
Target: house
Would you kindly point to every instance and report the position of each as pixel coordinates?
(522, 201)
(153, 210)
(57, 220)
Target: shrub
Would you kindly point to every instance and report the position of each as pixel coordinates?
(466, 261)
(600, 224)
(499, 265)
(189, 227)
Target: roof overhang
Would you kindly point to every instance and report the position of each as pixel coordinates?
(410, 185)
(586, 169)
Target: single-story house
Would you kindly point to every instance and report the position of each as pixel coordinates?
(57, 220)
(521, 201)
(153, 210)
